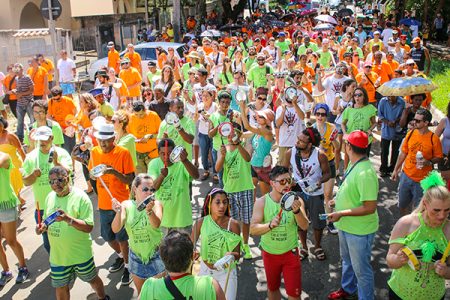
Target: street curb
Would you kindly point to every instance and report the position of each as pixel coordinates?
(437, 114)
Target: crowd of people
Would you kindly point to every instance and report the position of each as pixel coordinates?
(277, 119)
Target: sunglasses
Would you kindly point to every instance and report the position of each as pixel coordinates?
(262, 98)
(138, 108)
(411, 65)
(261, 59)
(147, 189)
(321, 114)
(368, 67)
(357, 95)
(417, 120)
(56, 181)
(284, 181)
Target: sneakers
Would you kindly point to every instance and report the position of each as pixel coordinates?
(23, 275)
(117, 265)
(342, 295)
(5, 278)
(331, 228)
(247, 252)
(126, 278)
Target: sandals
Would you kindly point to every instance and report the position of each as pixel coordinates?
(204, 176)
(319, 254)
(303, 254)
(215, 179)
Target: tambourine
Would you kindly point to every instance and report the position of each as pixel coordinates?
(224, 263)
(52, 218)
(171, 118)
(287, 200)
(267, 162)
(98, 170)
(290, 94)
(175, 154)
(225, 129)
(413, 262)
(141, 206)
(241, 96)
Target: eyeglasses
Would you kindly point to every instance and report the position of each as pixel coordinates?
(261, 59)
(318, 114)
(284, 181)
(262, 98)
(358, 95)
(56, 181)
(147, 189)
(368, 67)
(411, 65)
(417, 120)
(41, 112)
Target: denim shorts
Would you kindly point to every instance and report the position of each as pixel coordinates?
(106, 219)
(409, 192)
(9, 215)
(144, 271)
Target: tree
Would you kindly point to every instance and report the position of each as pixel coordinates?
(232, 12)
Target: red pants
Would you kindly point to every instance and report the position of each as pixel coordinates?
(287, 263)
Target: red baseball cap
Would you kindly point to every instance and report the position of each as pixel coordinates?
(358, 138)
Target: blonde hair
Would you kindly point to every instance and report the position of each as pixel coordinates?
(123, 117)
(433, 193)
(91, 103)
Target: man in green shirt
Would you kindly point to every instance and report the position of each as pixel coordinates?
(250, 61)
(245, 44)
(153, 74)
(307, 45)
(69, 235)
(283, 43)
(194, 58)
(176, 251)
(258, 74)
(106, 108)
(357, 220)
(36, 167)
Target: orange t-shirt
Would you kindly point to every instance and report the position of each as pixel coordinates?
(83, 120)
(131, 76)
(135, 60)
(394, 65)
(7, 82)
(370, 88)
(406, 47)
(309, 72)
(430, 146)
(147, 125)
(48, 65)
(60, 109)
(38, 78)
(120, 159)
(384, 71)
(162, 58)
(113, 60)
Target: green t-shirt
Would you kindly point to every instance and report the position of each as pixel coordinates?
(359, 118)
(151, 76)
(185, 69)
(142, 237)
(258, 74)
(216, 241)
(8, 198)
(250, 62)
(217, 119)
(106, 109)
(69, 245)
(245, 47)
(173, 194)
(358, 50)
(129, 142)
(361, 184)
(302, 49)
(189, 127)
(37, 160)
(224, 80)
(192, 287)
(283, 45)
(325, 58)
(237, 173)
(58, 138)
(282, 238)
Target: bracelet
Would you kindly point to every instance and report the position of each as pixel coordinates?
(71, 222)
(149, 213)
(270, 225)
(296, 212)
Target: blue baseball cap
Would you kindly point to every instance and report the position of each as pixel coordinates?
(96, 92)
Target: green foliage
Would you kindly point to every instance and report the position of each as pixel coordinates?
(440, 75)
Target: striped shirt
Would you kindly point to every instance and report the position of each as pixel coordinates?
(24, 84)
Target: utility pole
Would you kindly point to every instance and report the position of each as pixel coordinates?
(176, 20)
(146, 13)
(52, 31)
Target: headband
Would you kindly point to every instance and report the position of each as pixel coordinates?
(311, 135)
(323, 106)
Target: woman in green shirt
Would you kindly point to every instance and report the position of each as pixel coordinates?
(426, 233)
(220, 235)
(123, 138)
(142, 227)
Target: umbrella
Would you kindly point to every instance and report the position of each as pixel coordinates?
(345, 12)
(211, 33)
(287, 17)
(323, 27)
(230, 27)
(326, 19)
(407, 86)
(308, 12)
(410, 22)
(275, 23)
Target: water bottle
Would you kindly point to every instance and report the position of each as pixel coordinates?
(419, 160)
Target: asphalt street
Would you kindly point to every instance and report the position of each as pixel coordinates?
(318, 277)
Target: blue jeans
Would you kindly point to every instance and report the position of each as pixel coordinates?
(214, 157)
(409, 192)
(205, 143)
(21, 111)
(357, 273)
(44, 234)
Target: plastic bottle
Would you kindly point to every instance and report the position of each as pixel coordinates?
(419, 160)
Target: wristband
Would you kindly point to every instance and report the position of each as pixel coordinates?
(71, 222)
(296, 212)
(270, 225)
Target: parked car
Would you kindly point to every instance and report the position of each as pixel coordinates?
(147, 51)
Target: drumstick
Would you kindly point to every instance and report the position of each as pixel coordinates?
(106, 187)
(38, 213)
(446, 253)
(228, 277)
(279, 214)
(166, 153)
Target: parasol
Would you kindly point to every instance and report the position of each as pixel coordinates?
(410, 22)
(323, 27)
(407, 86)
(211, 33)
(308, 12)
(326, 19)
(345, 12)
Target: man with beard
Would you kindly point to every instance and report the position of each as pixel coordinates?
(307, 45)
(160, 104)
(421, 56)
(259, 74)
(245, 44)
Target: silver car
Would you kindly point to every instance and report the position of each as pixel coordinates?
(147, 51)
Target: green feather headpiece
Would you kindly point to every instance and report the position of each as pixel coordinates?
(428, 250)
(433, 179)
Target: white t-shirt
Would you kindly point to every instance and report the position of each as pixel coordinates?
(332, 86)
(252, 115)
(65, 69)
(291, 128)
(203, 126)
(386, 34)
(198, 90)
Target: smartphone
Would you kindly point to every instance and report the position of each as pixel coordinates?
(323, 217)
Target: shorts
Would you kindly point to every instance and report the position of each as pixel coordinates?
(287, 263)
(262, 173)
(332, 168)
(241, 204)
(106, 219)
(409, 192)
(62, 275)
(67, 88)
(9, 215)
(153, 267)
(196, 137)
(314, 205)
